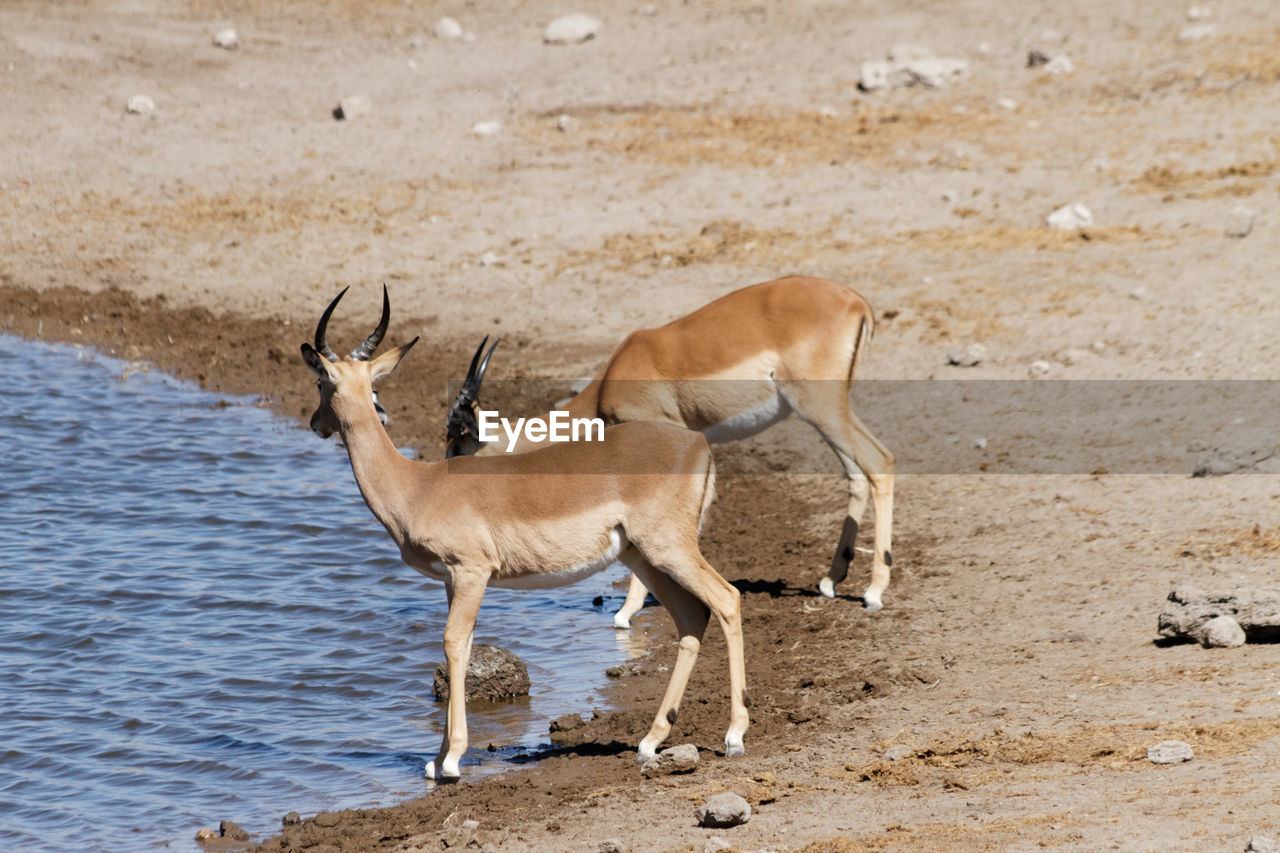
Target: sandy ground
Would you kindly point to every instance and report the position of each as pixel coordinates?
(709, 145)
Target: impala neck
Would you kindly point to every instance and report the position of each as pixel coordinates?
(378, 466)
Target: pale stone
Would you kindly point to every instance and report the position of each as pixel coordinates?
(1221, 632)
(140, 105)
(723, 810)
(571, 29)
(227, 39)
(1170, 752)
(1070, 217)
(1239, 222)
(486, 128)
(447, 29)
(676, 759)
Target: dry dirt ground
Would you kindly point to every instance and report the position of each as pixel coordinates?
(709, 145)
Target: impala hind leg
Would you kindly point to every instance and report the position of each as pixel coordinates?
(636, 593)
(867, 462)
(459, 629)
(690, 589)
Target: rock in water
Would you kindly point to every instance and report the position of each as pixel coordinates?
(493, 674)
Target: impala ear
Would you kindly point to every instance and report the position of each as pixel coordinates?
(385, 363)
(314, 360)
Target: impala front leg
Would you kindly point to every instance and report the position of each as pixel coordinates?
(466, 593)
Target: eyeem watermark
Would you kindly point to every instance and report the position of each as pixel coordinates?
(556, 426)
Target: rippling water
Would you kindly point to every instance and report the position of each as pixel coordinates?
(201, 620)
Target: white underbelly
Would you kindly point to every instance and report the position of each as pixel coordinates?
(573, 574)
(749, 421)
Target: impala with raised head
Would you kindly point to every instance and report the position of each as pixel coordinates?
(731, 369)
(537, 520)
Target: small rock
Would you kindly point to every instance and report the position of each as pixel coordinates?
(353, 107)
(140, 105)
(1199, 13)
(205, 834)
(489, 259)
(447, 29)
(564, 123)
(610, 845)
(1039, 367)
(291, 819)
(980, 443)
(1069, 357)
(1060, 65)
(909, 65)
(1070, 217)
(227, 829)
(1170, 752)
(1140, 292)
(1221, 632)
(1197, 32)
(715, 844)
(1262, 844)
(897, 752)
(1239, 222)
(486, 128)
(571, 29)
(937, 72)
(676, 759)
(879, 74)
(567, 723)
(493, 674)
(1007, 104)
(970, 356)
(227, 39)
(723, 810)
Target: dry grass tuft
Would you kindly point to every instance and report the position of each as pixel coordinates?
(999, 238)
(1239, 179)
(687, 136)
(1255, 541)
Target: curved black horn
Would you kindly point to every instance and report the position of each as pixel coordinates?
(484, 365)
(475, 360)
(322, 346)
(366, 349)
